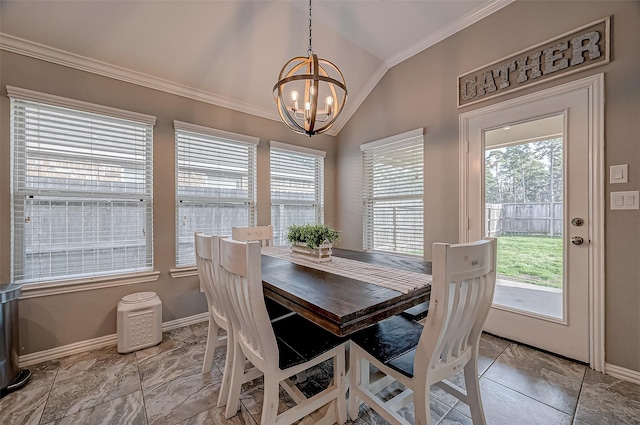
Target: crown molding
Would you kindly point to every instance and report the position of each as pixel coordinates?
(82, 63)
(448, 30)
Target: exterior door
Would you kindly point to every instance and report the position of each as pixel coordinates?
(528, 183)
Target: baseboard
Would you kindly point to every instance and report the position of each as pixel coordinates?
(95, 343)
(622, 373)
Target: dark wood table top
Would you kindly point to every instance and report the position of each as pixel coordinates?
(340, 304)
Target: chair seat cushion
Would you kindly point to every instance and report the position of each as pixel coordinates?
(300, 340)
(417, 312)
(403, 363)
(391, 342)
(274, 309)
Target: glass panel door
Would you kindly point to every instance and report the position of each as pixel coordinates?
(523, 192)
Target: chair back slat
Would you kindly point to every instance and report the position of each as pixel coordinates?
(464, 278)
(206, 273)
(240, 272)
(262, 234)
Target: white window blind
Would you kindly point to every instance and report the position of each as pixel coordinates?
(82, 189)
(393, 194)
(215, 184)
(297, 188)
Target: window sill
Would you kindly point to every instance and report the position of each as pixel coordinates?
(184, 272)
(34, 290)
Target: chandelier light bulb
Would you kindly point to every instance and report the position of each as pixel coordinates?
(329, 101)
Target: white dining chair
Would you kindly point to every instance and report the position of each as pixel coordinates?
(464, 278)
(217, 312)
(262, 234)
(218, 316)
(280, 349)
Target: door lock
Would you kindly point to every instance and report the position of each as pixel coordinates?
(577, 240)
(577, 221)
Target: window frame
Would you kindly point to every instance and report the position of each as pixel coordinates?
(20, 100)
(410, 139)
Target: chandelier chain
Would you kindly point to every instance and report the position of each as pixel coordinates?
(310, 50)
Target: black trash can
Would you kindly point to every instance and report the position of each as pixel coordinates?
(11, 377)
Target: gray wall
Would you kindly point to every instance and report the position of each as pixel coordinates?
(53, 321)
(421, 92)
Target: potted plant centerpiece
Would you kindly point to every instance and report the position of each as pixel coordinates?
(312, 241)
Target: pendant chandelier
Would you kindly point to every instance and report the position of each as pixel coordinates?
(305, 82)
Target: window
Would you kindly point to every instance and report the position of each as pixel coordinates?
(81, 190)
(393, 194)
(297, 188)
(215, 184)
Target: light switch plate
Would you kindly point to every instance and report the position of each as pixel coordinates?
(619, 173)
(625, 200)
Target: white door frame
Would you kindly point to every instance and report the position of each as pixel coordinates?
(595, 86)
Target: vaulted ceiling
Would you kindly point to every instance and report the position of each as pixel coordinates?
(230, 53)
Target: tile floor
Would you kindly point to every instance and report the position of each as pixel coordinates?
(163, 385)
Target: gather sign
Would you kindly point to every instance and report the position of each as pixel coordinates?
(577, 50)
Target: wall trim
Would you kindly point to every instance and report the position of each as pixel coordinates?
(82, 63)
(622, 373)
(100, 342)
(45, 289)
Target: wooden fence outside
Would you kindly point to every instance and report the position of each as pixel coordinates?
(531, 219)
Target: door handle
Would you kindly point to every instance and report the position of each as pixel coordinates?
(577, 240)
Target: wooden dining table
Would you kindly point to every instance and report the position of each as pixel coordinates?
(340, 304)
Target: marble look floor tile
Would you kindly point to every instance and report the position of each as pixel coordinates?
(215, 416)
(504, 406)
(490, 349)
(182, 398)
(170, 340)
(370, 416)
(127, 410)
(608, 400)
(98, 361)
(541, 376)
(201, 330)
(86, 390)
(579, 422)
(252, 396)
(25, 406)
(183, 359)
(453, 417)
(43, 373)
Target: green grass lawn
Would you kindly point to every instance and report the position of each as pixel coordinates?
(530, 259)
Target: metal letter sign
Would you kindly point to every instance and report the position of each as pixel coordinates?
(577, 50)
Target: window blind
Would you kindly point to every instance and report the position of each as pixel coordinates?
(81, 191)
(393, 196)
(215, 184)
(297, 188)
